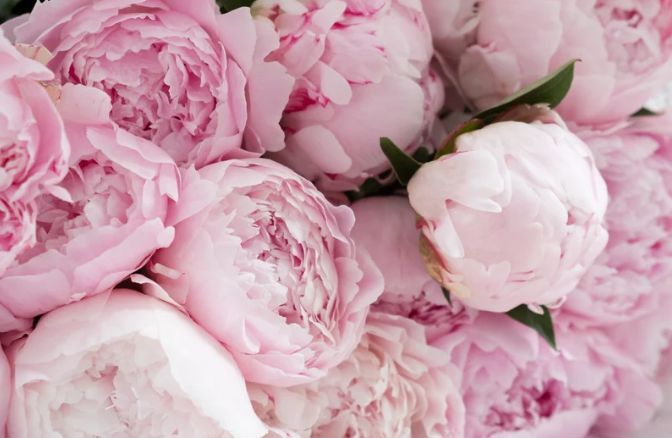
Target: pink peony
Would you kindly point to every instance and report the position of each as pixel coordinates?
(33, 148)
(98, 225)
(180, 74)
(492, 48)
(515, 386)
(264, 263)
(5, 391)
(124, 364)
(629, 289)
(362, 70)
(393, 385)
(513, 217)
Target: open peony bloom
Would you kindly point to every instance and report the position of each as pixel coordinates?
(493, 48)
(362, 73)
(515, 386)
(628, 289)
(266, 264)
(33, 148)
(5, 390)
(99, 224)
(178, 72)
(513, 217)
(124, 364)
(393, 385)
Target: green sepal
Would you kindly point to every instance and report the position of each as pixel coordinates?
(449, 145)
(403, 165)
(542, 324)
(230, 5)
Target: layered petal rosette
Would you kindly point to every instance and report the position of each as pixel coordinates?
(362, 72)
(513, 217)
(179, 73)
(125, 364)
(515, 386)
(100, 223)
(393, 385)
(33, 148)
(493, 48)
(266, 264)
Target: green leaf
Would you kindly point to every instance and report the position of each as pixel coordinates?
(643, 112)
(404, 166)
(446, 293)
(449, 145)
(230, 5)
(550, 89)
(542, 324)
(423, 155)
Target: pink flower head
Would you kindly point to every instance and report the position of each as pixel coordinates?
(125, 364)
(33, 148)
(627, 291)
(178, 72)
(513, 217)
(492, 48)
(515, 386)
(393, 385)
(99, 224)
(5, 390)
(362, 70)
(266, 264)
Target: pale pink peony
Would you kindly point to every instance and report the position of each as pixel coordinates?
(513, 217)
(393, 385)
(515, 386)
(629, 289)
(33, 148)
(179, 73)
(362, 70)
(124, 364)
(492, 48)
(5, 391)
(266, 264)
(99, 224)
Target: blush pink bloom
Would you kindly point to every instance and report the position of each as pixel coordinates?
(513, 217)
(5, 391)
(178, 72)
(33, 148)
(515, 386)
(628, 290)
(99, 224)
(362, 70)
(125, 364)
(393, 385)
(266, 264)
(492, 48)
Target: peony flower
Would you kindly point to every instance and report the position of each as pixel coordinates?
(99, 224)
(33, 148)
(515, 386)
(627, 291)
(492, 48)
(179, 74)
(362, 73)
(124, 364)
(264, 263)
(393, 385)
(513, 217)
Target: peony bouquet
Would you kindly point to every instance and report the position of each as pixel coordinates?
(336, 218)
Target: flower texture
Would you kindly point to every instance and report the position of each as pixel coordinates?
(493, 48)
(179, 73)
(362, 73)
(100, 223)
(627, 291)
(33, 148)
(513, 217)
(393, 385)
(515, 386)
(266, 264)
(124, 364)
(5, 391)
